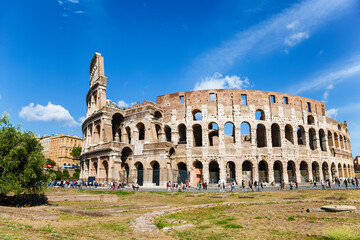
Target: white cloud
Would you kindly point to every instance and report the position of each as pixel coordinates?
(332, 113)
(296, 38)
(217, 81)
(60, 2)
(331, 76)
(292, 25)
(79, 12)
(48, 113)
(73, 1)
(123, 104)
(82, 119)
(326, 93)
(269, 35)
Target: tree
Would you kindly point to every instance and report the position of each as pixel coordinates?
(76, 174)
(66, 174)
(21, 160)
(50, 162)
(76, 152)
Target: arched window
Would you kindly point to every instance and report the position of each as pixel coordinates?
(289, 133)
(336, 139)
(182, 134)
(117, 120)
(259, 115)
(275, 135)
(197, 131)
(261, 135)
(197, 116)
(141, 129)
(168, 133)
(245, 130)
(128, 133)
(157, 115)
(330, 140)
(310, 120)
(229, 130)
(158, 131)
(213, 132)
(322, 140)
(312, 139)
(301, 135)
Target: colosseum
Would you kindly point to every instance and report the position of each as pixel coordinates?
(211, 135)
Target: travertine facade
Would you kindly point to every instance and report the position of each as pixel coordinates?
(59, 147)
(211, 135)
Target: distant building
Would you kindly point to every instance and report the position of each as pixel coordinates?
(58, 148)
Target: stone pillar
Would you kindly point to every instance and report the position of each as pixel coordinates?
(175, 137)
(238, 171)
(311, 177)
(285, 173)
(297, 172)
(271, 172)
(98, 169)
(206, 171)
(222, 172)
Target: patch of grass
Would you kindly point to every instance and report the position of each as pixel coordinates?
(47, 229)
(160, 223)
(116, 192)
(233, 226)
(343, 234)
(203, 227)
(291, 218)
(266, 217)
(117, 227)
(70, 217)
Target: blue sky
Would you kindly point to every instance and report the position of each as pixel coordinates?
(308, 48)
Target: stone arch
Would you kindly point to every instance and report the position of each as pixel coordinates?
(104, 174)
(349, 170)
(157, 115)
(247, 171)
(341, 142)
(289, 134)
(197, 115)
(141, 130)
(158, 131)
(322, 140)
(263, 171)
(213, 134)
(230, 171)
(197, 132)
(325, 171)
(301, 135)
(330, 140)
(117, 120)
(340, 171)
(128, 133)
(312, 139)
(315, 171)
(140, 173)
(155, 172)
(214, 172)
(261, 135)
(304, 171)
(278, 171)
(260, 115)
(172, 153)
(310, 120)
(97, 134)
(291, 170)
(345, 171)
(229, 131)
(245, 131)
(94, 169)
(333, 170)
(275, 135)
(346, 145)
(197, 172)
(167, 133)
(183, 173)
(336, 139)
(182, 133)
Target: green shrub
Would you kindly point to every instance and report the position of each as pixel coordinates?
(342, 234)
(292, 218)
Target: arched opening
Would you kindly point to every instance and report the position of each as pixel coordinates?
(325, 171)
(289, 136)
(128, 133)
(247, 171)
(116, 122)
(345, 171)
(141, 129)
(183, 174)
(214, 172)
(341, 142)
(126, 155)
(93, 170)
(168, 133)
(105, 171)
(315, 171)
(157, 115)
(182, 134)
(261, 135)
(97, 134)
(304, 172)
(140, 173)
(259, 115)
(155, 173)
(275, 135)
(312, 139)
(336, 140)
(322, 140)
(229, 130)
(245, 131)
(310, 120)
(197, 131)
(341, 175)
(345, 143)
(291, 170)
(301, 135)
(278, 172)
(172, 153)
(230, 171)
(349, 171)
(158, 131)
(330, 140)
(333, 171)
(197, 116)
(213, 133)
(263, 171)
(197, 172)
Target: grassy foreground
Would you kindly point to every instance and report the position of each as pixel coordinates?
(263, 215)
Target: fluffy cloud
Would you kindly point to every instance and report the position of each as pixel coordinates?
(292, 25)
(332, 113)
(326, 93)
(79, 12)
(82, 119)
(73, 1)
(217, 81)
(296, 38)
(123, 104)
(49, 113)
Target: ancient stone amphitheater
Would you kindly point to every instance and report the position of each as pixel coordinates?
(211, 135)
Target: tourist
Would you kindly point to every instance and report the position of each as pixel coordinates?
(296, 184)
(243, 185)
(261, 185)
(322, 184)
(345, 183)
(250, 186)
(291, 185)
(357, 183)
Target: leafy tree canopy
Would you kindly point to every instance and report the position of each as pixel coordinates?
(76, 152)
(50, 162)
(21, 160)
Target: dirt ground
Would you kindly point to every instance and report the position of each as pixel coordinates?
(161, 215)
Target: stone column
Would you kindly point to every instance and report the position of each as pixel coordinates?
(285, 173)
(238, 171)
(222, 172)
(98, 169)
(271, 172)
(206, 171)
(297, 172)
